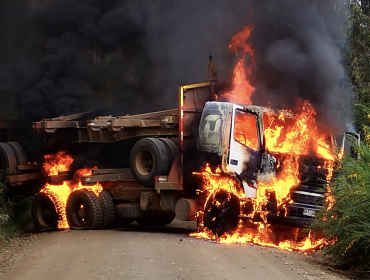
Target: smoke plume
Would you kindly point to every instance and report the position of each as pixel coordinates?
(299, 55)
(65, 56)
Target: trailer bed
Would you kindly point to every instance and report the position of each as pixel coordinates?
(110, 128)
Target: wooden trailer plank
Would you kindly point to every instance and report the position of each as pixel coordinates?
(19, 178)
(58, 179)
(106, 177)
(111, 170)
(25, 167)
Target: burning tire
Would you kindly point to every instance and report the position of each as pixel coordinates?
(44, 215)
(108, 209)
(19, 152)
(172, 150)
(84, 210)
(221, 214)
(149, 157)
(8, 161)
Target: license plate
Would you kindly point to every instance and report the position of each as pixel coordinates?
(309, 212)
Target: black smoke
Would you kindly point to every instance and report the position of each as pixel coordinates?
(299, 54)
(66, 56)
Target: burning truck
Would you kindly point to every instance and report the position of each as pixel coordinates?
(237, 168)
(214, 161)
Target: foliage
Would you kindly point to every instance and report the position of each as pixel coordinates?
(5, 206)
(349, 219)
(358, 59)
(15, 214)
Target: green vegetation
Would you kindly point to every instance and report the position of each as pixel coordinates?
(358, 62)
(349, 219)
(15, 215)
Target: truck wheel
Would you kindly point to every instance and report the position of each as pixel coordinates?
(8, 161)
(172, 150)
(149, 158)
(108, 209)
(221, 214)
(43, 212)
(84, 210)
(19, 152)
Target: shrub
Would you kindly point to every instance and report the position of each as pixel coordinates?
(349, 219)
(15, 214)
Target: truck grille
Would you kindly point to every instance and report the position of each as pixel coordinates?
(307, 199)
(313, 175)
(313, 180)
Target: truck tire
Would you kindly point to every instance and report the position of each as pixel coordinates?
(221, 214)
(43, 212)
(148, 159)
(108, 209)
(84, 210)
(8, 161)
(19, 152)
(172, 150)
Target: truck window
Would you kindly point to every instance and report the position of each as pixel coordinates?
(245, 129)
(212, 129)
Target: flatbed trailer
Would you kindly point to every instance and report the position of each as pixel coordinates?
(174, 130)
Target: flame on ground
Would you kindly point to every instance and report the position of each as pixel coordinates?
(59, 194)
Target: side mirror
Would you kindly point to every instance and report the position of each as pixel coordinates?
(349, 141)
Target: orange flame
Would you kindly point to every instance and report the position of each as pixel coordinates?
(249, 232)
(60, 193)
(288, 138)
(57, 163)
(241, 88)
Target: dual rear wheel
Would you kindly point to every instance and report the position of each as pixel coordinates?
(84, 210)
(11, 155)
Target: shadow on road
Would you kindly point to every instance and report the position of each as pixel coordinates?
(176, 227)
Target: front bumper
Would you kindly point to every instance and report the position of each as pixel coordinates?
(298, 215)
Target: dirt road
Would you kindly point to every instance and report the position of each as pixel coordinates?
(141, 253)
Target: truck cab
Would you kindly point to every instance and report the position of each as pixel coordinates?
(237, 134)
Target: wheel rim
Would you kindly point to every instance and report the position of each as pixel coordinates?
(222, 213)
(144, 162)
(44, 215)
(79, 214)
(3, 168)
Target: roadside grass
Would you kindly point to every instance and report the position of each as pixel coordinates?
(15, 215)
(349, 219)
(3, 245)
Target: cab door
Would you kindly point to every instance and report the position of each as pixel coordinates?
(245, 147)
